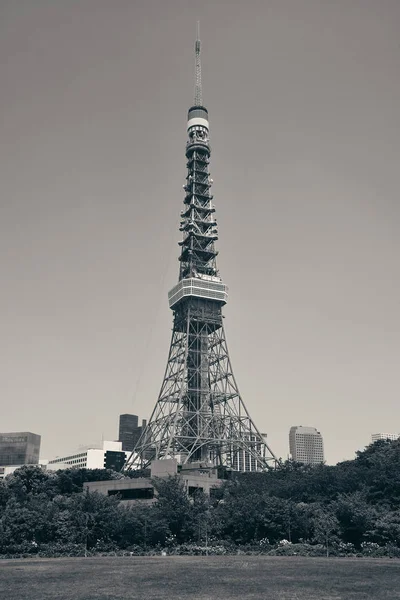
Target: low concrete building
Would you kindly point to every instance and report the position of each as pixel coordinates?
(196, 477)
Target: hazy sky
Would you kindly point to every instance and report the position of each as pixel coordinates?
(304, 100)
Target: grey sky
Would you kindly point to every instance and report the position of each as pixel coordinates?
(304, 100)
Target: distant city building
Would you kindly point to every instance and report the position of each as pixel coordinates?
(19, 448)
(306, 445)
(4, 471)
(384, 436)
(130, 431)
(127, 424)
(109, 456)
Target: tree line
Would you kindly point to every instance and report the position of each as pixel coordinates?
(352, 507)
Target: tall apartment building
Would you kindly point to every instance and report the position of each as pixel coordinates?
(19, 448)
(384, 436)
(130, 431)
(306, 445)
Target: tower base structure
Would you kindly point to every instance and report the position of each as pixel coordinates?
(200, 416)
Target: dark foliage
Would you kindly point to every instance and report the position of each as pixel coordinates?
(351, 507)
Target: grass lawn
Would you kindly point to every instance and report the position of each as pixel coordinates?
(199, 578)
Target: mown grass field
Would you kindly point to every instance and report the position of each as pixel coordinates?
(199, 578)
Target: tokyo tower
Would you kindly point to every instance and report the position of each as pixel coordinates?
(199, 416)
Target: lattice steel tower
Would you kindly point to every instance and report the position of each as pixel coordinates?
(199, 415)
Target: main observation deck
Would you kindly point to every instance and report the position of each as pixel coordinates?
(211, 289)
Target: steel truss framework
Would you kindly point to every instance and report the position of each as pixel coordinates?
(199, 414)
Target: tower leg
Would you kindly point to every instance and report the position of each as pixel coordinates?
(200, 415)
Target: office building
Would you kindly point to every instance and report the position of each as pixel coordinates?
(109, 456)
(130, 431)
(127, 424)
(306, 445)
(384, 436)
(19, 448)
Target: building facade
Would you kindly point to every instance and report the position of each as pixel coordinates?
(195, 478)
(109, 456)
(306, 445)
(19, 448)
(384, 436)
(130, 431)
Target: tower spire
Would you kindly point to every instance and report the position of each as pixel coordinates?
(197, 88)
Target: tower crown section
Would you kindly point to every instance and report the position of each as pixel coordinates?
(198, 126)
(198, 223)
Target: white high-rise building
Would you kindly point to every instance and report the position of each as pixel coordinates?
(306, 445)
(384, 436)
(110, 455)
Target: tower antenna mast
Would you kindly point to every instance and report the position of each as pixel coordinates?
(197, 89)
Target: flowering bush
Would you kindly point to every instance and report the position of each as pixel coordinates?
(372, 549)
(264, 542)
(170, 541)
(198, 550)
(343, 549)
(290, 549)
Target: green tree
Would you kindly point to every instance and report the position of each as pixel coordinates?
(172, 511)
(355, 517)
(4, 494)
(70, 481)
(386, 529)
(326, 527)
(136, 527)
(29, 481)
